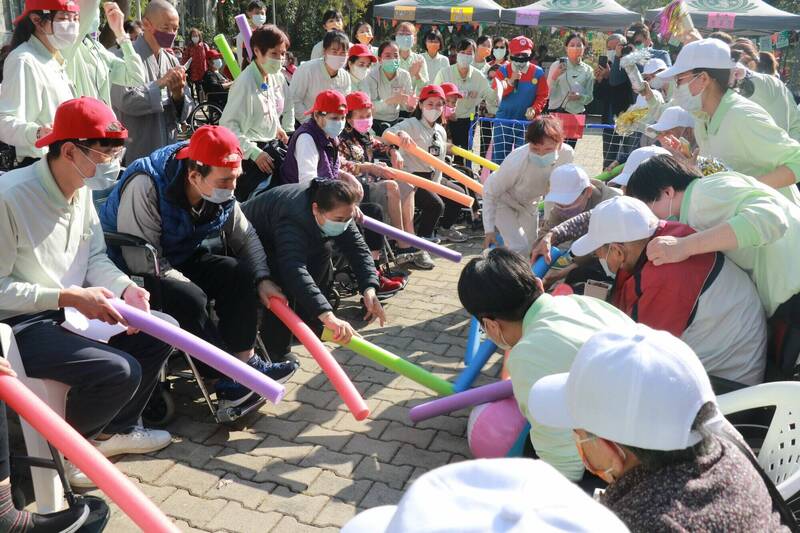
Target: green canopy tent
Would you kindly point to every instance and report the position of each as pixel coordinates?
(440, 11)
(595, 14)
(749, 17)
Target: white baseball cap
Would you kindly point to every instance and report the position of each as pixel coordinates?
(658, 384)
(653, 65)
(490, 495)
(619, 219)
(636, 158)
(567, 182)
(705, 53)
(672, 117)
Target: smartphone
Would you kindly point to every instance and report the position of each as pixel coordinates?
(562, 60)
(603, 61)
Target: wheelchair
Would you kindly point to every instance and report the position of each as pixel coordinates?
(160, 411)
(207, 112)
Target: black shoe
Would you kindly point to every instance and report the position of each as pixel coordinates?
(66, 521)
(280, 372)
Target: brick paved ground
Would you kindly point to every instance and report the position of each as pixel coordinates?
(306, 464)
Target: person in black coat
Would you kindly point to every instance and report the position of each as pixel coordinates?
(297, 224)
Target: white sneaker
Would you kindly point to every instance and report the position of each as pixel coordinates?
(423, 260)
(76, 478)
(140, 440)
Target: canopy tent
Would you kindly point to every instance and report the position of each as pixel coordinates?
(739, 16)
(440, 11)
(595, 14)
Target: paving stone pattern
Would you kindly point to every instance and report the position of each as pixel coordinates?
(306, 465)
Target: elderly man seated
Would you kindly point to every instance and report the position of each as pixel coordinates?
(706, 300)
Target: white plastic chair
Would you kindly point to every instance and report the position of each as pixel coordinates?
(779, 455)
(46, 484)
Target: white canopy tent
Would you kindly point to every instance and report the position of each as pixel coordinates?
(595, 14)
(737, 16)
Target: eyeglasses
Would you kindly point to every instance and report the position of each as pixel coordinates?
(599, 472)
(117, 154)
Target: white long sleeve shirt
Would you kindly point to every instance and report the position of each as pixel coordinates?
(35, 83)
(425, 136)
(518, 183)
(310, 79)
(379, 88)
(253, 109)
(48, 243)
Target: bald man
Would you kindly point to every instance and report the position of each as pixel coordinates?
(152, 111)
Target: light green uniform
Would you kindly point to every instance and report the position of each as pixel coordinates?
(380, 88)
(777, 100)
(35, 83)
(435, 64)
(746, 139)
(48, 243)
(580, 77)
(475, 87)
(766, 224)
(424, 78)
(93, 69)
(553, 330)
(252, 111)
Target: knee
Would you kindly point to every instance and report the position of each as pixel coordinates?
(124, 373)
(392, 189)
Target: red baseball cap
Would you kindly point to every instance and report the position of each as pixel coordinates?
(329, 102)
(362, 50)
(451, 89)
(520, 46)
(84, 118)
(213, 54)
(48, 5)
(215, 146)
(430, 91)
(358, 100)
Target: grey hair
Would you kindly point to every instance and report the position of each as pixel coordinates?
(617, 37)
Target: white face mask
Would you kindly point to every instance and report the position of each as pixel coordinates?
(431, 115)
(658, 83)
(501, 342)
(358, 73)
(499, 53)
(195, 39)
(335, 62)
(465, 60)
(217, 63)
(604, 264)
(217, 196)
(520, 67)
(259, 20)
(65, 34)
(612, 54)
(692, 103)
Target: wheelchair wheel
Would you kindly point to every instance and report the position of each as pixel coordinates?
(205, 114)
(160, 410)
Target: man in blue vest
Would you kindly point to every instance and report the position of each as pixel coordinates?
(524, 89)
(175, 199)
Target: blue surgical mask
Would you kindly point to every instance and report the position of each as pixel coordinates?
(218, 196)
(333, 127)
(542, 161)
(332, 228)
(105, 174)
(404, 42)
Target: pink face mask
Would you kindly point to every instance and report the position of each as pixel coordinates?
(362, 125)
(449, 111)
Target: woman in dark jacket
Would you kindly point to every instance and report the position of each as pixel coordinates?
(297, 224)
